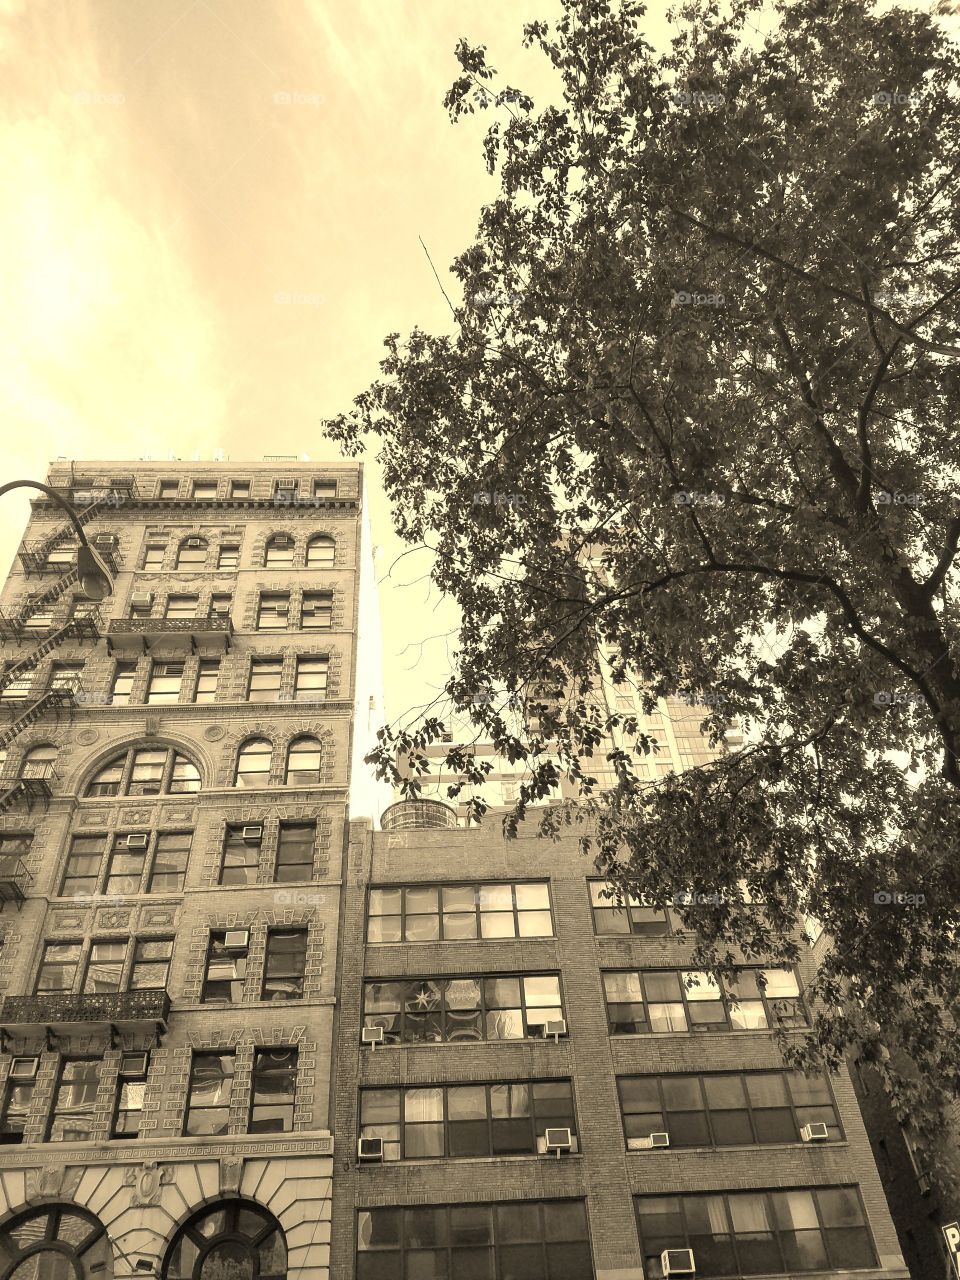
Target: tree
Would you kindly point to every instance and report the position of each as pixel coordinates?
(700, 406)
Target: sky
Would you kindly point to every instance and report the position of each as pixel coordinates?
(210, 217)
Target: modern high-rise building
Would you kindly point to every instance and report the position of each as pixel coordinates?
(174, 799)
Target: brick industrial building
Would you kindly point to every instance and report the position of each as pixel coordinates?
(247, 1035)
(174, 799)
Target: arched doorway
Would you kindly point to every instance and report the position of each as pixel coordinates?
(55, 1242)
(234, 1240)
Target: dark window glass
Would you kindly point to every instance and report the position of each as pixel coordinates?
(274, 1091)
(241, 857)
(17, 1101)
(226, 970)
(295, 851)
(285, 964)
(501, 1007)
(208, 1099)
(670, 1000)
(74, 1101)
(425, 913)
(58, 967)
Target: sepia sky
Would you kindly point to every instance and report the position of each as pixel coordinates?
(210, 213)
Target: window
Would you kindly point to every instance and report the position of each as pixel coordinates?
(15, 844)
(220, 603)
(454, 912)
(164, 683)
(38, 762)
(265, 678)
(40, 619)
(273, 609)
(150, 967)
(153, 555)
(529, 1238)
(304, 762)
(626, 915)
(66, 675)
(124, 674)
(311, 679)
(274, 1091)
(727, 1109)
(131, 1086)
(63, 554)
(169, 488)
(228, 555)
(285, 964)
(241, 855)
(226, 969)
(73, 1113)
(164, 858)
(278, 553)
(491, 1007)
(208, 673)
(751, 1232)
(320, 552)
(295, 851)
(205, 489)
(105, 966)
(239, 488)
(656, 1000)
(455, 1121)
(254, 763)
(17, 1101)
(19, 688)
(58, 967)
(317, 611)
(208, 1098)
(145, 771)
(228, 1235)
(324, 488)
(192, 553)
(181, 606)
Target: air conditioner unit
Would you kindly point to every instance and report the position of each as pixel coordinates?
(371, 1035)
(370, 1149)
(133, 1066)
(659, 1139)
(557, 1028)
(816, 1132)
(137, 841)
(286, 484)
(253, 834)
(142, 599)
(678, 1262)
(104, 540)
(557, 1140)
(236, 939)
(282, 609)
(24, 1068)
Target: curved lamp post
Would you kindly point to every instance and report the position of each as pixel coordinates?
(95, 580)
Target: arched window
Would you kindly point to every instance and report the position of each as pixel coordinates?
(38, 762)
(234, 1240)
(55, 1242)
(145, 771)
(192, 553)
(278, 553)
(320, 550)
(254, 760)
(303, 762)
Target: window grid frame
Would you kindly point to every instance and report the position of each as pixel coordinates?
(110, 848)
(483, 1010)
(479, 912)
(729, 1003)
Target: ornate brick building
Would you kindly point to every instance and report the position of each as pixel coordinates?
(173, 806)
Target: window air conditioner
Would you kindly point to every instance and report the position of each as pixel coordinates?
(236, 939)
(370, 1149)
(678, 1262)
(815, 1132)
(24, 1068)
(253, 834)
(557, 1140)
(142, 599)
(133, 1066)
(659, 1139)
(371, 1035)
(104, 540)
(557, 1028)
(137, 841)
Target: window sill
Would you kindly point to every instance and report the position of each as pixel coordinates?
(460, 1161)
(753, 1148)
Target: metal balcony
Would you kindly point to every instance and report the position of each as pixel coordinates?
(14, 878)
(140, 633)
(56, 1013)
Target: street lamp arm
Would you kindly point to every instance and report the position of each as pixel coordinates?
(57, 498)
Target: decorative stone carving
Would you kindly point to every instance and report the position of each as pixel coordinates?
(52, 1180)
(87, 737)
(231, 1171)
(214, 732)
(117, 918)
(147, 1180)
